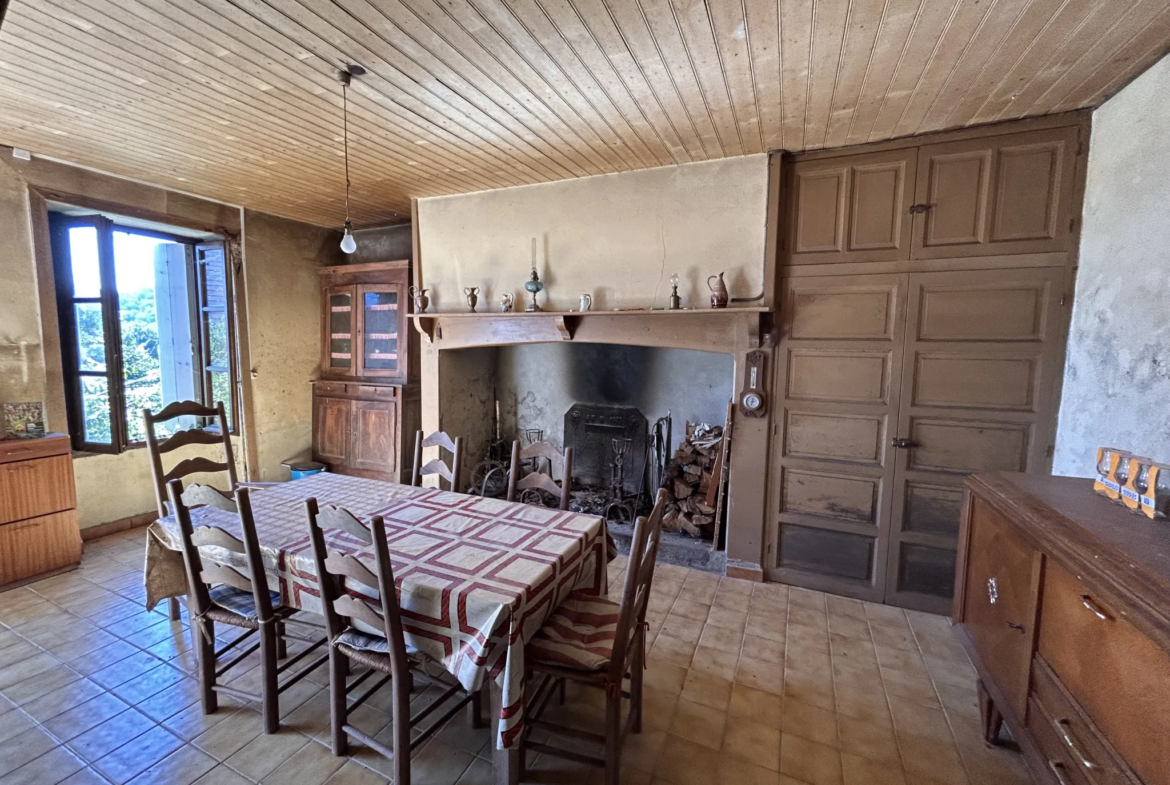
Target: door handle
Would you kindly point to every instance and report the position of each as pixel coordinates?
(1094, 608)
(1064, 728)
(903, 444)
(915, 209)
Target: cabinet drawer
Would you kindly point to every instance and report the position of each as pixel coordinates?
(38, 487)
(1087, 750)
(31, 547)
(1119, 676)
(1058, 763)
(329, 388)
(999, 600)
(376, 391)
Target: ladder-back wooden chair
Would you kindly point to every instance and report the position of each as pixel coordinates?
(221, 592)
(536, 480)
(437, 466)
(189, 466)
(598, 643)
(352, 594)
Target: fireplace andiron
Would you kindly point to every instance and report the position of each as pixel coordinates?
(622, 508)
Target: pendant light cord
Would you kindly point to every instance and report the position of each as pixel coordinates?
(345, 140)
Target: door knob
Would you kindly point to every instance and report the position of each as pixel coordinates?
(916, 209)
(903, 443)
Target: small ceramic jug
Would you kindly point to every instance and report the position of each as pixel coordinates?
(506, 302)
(586, 302)
(421, 301)
(718, 291)
(472, 293)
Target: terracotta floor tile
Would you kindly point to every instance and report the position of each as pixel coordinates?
(699, 724)
(756, 705)
(715, 662)
(707, 691)
(682, 627)
(182, 767)
(52, 767)
(737, 771)
(683, 762)
(765, 676)
(872, 740)
(107, 736)
(864, 771)
(312, 764)
(753, 742)
(757, 648)
(24, 748)
(816, 764)
(728, 640)
(674, 651)
(810, 722)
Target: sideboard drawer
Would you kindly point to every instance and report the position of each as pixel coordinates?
(1058, 763)
(37, 545)
(37, 487)
(1119, 676)
(999, 600)
(1087, 750)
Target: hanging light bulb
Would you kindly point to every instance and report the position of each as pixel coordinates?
(348, 243)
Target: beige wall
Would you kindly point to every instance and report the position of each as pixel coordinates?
(280, 297)
(283, 297)
(1117, 380)
(617, 237)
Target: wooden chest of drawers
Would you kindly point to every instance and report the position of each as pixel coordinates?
(1064, 604)
(38, 508)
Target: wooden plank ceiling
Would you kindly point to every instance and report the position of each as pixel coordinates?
(236, 99)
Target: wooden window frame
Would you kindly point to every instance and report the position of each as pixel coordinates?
(114, 373)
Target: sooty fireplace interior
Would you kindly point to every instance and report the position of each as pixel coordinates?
(590, 429)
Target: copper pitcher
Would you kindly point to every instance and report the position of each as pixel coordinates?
(718, 291)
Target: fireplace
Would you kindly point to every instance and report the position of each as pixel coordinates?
(514, 372)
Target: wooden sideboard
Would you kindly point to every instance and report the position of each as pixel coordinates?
(1063, 601)
(366, 403)
(38, 508)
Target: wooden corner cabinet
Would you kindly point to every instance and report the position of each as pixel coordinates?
(1063, 602)
(366, 403)
(38, 508)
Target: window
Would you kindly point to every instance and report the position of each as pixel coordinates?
(145, 320)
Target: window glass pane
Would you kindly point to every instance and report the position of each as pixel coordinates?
(91, 339)
(340, 331)
(142, 272)
(95, 401)
(83, 261)
(217, 338)
(221, 390)
(381, 330)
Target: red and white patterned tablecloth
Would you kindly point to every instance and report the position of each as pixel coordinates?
(477, 577)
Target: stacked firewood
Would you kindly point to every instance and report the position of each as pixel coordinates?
(688, 482)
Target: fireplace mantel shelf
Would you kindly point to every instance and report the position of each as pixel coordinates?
(567, 321)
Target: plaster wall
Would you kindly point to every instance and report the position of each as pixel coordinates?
(617, 237)
(22, 360)
(283, 300)
(382, 244)
(1117, 376)
(467, 384)
(537, 384)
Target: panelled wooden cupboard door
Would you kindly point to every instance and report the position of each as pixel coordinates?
(982, 354)
(1010, 194)
(838, 384)
(851, 209)
(891, 389)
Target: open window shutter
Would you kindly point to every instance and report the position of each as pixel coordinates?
(215, 327)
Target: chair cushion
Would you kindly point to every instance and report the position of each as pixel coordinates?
(579, 635)
(240, 602)
(364, 641)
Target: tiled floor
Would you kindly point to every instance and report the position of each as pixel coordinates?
(747, 685)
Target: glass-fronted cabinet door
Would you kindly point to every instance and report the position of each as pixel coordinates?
(340, 331)
(381, 337)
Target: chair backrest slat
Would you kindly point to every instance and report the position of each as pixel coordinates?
(156, 448)
(213, 536)
(437, 466)
(349, 567)
(538, 479)
(200, 575)
(331, 517)
(197, 494)
(218, 573)
(636, 592)
(340, 608)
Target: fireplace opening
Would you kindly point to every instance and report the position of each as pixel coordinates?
(653, 415)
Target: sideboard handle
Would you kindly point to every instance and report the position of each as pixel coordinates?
(1064, 728)
(1058, 770)
(1017, 627)
(1089, 603)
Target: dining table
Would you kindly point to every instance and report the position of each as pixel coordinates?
(477, 576)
